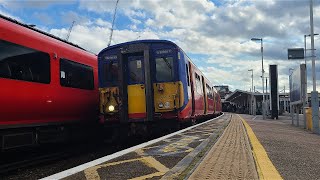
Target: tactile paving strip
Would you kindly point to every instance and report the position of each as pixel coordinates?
(230, 158)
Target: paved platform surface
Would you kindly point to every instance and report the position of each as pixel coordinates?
(249, 148)
(230, 157)
(294, 151)
(171, 158)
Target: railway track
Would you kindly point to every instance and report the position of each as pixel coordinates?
(45, 161)
(50, 160)
(32, 160)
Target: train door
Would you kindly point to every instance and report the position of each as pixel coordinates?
(205, 97)
(192, 81)
(136, 87)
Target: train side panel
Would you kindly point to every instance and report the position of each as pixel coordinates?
(185, 113)
(28, 98)
(217, 102)
(209, 98)
(198, 94)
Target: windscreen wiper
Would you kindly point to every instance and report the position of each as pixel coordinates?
(166, 61)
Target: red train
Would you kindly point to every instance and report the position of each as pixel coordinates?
(148, 82)
(47, 86)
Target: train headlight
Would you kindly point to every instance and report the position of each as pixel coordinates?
(167, 105)
(160, 105)
(111, 108)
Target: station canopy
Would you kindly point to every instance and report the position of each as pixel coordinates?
(240, 96)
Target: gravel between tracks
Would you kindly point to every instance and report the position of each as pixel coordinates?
(294, 151)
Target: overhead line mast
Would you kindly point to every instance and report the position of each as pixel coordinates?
(70, 29)
(114, 17)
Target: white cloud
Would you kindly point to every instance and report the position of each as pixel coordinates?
(96, 38)
(201, 27)
(101, 22)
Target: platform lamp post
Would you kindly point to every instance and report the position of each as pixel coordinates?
(305, 46)
(314, 93)
(251, 101)
(267, 96)
(262, 76)
(290, 109)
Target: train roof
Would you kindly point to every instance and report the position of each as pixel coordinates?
(152, 41)
(39, 31)
(139, 41)
(145, 41)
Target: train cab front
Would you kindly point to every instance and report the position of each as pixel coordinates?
(139, 83)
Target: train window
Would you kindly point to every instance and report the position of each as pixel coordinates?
(111, 71)
(188, 78)
(136, 71)
(164, 69)
(76, 75)
(23, 63)
(198, 84)
(209, 91)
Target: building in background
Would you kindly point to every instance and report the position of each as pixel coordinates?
(223, 90)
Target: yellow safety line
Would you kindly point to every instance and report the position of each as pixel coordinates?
(266, 169)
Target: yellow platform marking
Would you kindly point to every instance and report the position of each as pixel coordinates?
(140, 152)
(181, 144)
(92, 173)
(153, 163)
(266, 169)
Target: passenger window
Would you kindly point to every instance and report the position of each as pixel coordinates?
(198, 84)
(209, 93)
(23, 63)
(76, 75)
(164, 69)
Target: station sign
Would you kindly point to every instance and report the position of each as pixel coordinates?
(296, 53)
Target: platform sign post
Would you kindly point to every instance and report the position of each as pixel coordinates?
(298, 88)
(298, 54)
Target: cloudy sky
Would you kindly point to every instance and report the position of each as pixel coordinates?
(215, 34)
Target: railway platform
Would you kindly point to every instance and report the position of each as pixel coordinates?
(229, 147)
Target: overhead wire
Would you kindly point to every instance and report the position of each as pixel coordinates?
(113, 20)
